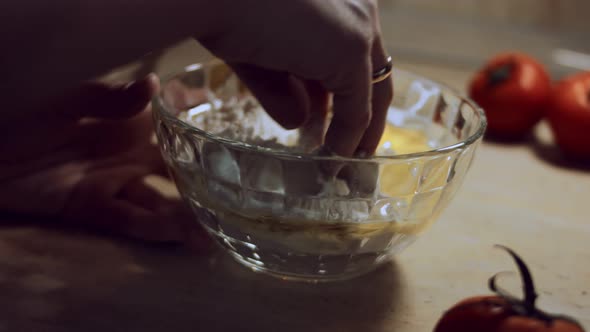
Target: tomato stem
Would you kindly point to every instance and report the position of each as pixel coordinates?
(530, 295)
(500, 74)
(526, 306)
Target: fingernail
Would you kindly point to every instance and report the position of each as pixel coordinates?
(140, 92)
(328, 168)
(324, 151)
(151, 80)
(361, 154)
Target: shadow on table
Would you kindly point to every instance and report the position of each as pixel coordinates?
(543, 149)
(551, 154)
(67, 283)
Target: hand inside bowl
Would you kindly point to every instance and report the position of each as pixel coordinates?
(265, 193)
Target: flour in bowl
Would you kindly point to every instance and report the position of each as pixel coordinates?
(247, 122)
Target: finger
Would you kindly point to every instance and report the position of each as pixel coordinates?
(318, 99)
(148, 156)
(361, 178)
(114, 200)
(124, 218)
(382, 94)
(152, 156)
(351, 109)
(283, 96)
(98, 100)
(101, 138)
(167, 219)
(313, 131)
(58, 123)
(128, 141)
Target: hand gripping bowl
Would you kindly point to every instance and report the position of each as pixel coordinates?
(271, 204)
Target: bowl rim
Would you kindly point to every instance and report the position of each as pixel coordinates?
(161, 110)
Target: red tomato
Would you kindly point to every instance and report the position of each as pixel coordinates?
(569, 115)
(469, 314)
(504, 312)
(513, 89)
(494, 314)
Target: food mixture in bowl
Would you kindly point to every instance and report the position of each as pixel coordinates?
(269, 196)
(307, 231)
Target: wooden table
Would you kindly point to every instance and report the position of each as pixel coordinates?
(515, 195)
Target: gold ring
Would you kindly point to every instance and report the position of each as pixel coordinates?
(383, 73)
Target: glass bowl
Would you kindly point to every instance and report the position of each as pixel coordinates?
(276, 209)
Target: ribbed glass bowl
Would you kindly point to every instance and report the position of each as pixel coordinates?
(278, 212)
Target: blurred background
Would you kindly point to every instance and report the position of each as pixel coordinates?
(448, 40)
(466, 32)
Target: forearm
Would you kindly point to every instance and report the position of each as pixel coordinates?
(50, 48)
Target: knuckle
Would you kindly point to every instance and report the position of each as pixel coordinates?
(367, 14)
(372, 7)
(358, 43)
(364, 10)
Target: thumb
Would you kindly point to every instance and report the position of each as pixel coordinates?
(283, 96)
(99, 100)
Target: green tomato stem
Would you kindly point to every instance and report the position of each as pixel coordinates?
(500, 74)
(528, 286)
(527, 306)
